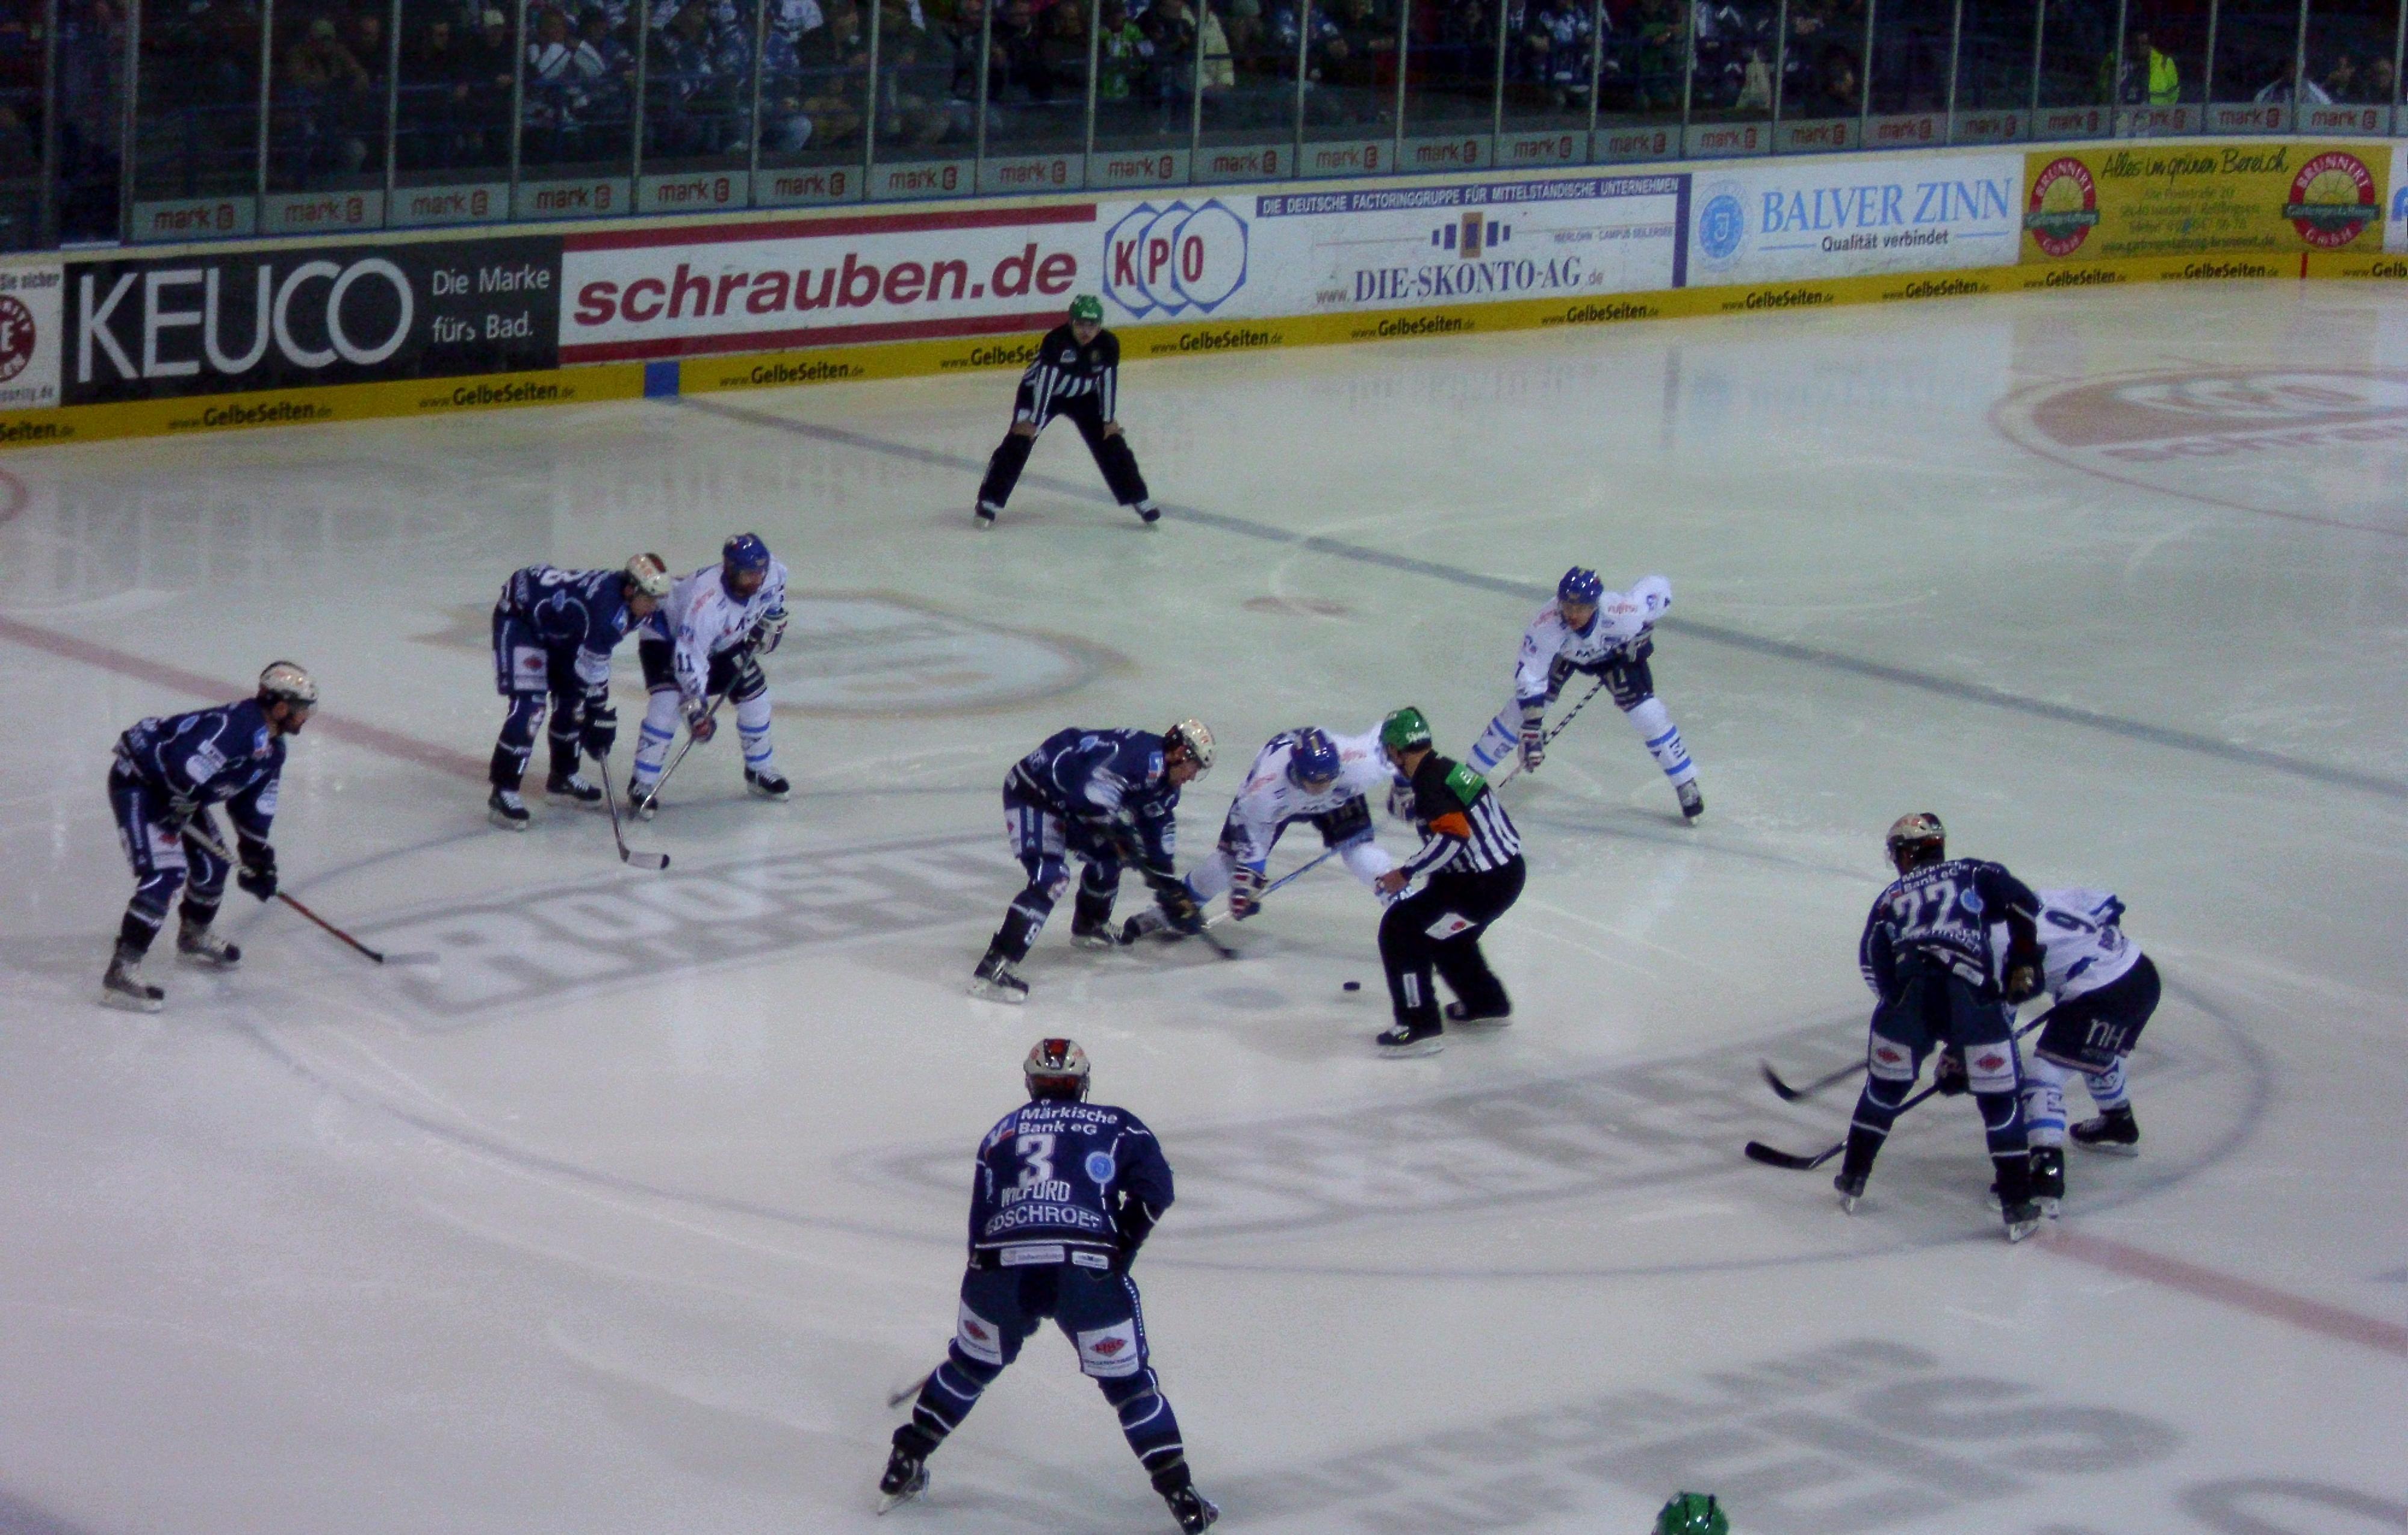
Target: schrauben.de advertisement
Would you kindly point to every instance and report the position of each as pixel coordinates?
(212, 324)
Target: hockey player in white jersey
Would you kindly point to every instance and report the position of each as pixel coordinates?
(1606, 635)
(707, 640)
(2103, 990)
(1308, 775)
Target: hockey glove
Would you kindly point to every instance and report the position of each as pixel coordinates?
(1637, 650)
(180, 811)
(1402, 802)
(1246, 891)
(1133, 1222)
(1179, 908)
(771, 628)
(1948, 1073)
(258, 876)
(2024, 976)
(699, 722)
(1534, 740)
(600, 730)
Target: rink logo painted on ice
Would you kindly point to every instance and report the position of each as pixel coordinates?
(2301, 442)
(1862, 1434)
(1169, 259)
(880, 654)
(591, 935)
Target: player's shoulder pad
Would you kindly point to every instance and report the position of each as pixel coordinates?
(1464, 781)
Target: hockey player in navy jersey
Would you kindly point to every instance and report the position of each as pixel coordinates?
(167, 773)
(1927, 953)
(1064, 1195)
(1110, 796)
(554, 633)
(1076, 373)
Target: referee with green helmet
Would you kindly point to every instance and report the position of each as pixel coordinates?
(1471, 857)
(1076, 373)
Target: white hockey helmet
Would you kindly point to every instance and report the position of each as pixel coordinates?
(285, 681)
(1192, 737)
(1056, 1068)
(649, 574)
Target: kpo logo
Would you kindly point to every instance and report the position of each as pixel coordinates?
(1175, 258)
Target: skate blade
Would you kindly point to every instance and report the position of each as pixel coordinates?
(2117, 1149)
(2021, 1229)
(889, 1501)
(203, 962)
(504, 822)
(988, 991)
(1475, 1024)
(123, 1003)
(1408, 1052)
(1092, 940)
(1848, 1203)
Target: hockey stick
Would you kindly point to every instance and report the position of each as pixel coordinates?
(1511, 773)
(209, 843)
(1772, 1156)
(1787, 1094)
(1299, 871)
(663, 782)
(896, 1398)
(611, 797)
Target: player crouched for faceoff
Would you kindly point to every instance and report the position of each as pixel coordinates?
(1064, 1193)
(1927, 953)
(1305, 775)
(1472, 856)
(554, 633)
(2104, 991)
(167, 774)
(1111, 797)
(1600, 634)
(705, 640)
(1077, 373)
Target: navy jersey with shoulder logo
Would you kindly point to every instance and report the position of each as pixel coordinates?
(224, 756)
(1091, 775)
(1060, 1181)
(1942, 913)
(586, 608)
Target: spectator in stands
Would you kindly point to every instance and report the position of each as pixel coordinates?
(328, 93)
(1832, 91)
(1060, 73)
(916, 68)
(2146, 77)
(2378, 82)
(1556, 37)
(1122, 52)
(822, 109)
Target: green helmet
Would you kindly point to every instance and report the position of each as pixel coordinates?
(1692, 1513)
(1087, 306)
(1405, 730)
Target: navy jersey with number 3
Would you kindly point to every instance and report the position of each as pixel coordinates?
(1942, 913)
(1066, 1182)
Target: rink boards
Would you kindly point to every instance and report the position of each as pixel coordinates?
(235, 335)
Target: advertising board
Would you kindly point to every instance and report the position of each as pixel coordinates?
(2155, 198)
(230, 320)
(1776, 222)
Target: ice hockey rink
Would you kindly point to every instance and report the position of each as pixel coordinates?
(630, 1212)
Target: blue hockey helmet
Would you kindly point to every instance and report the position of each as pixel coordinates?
(1313, 764)
(744, 555)
(1579, 584)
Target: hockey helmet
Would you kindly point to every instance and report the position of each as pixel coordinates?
(1087, 306)
(649, 574)
(1655, 593)
(1313, 764)
(1189, 735)
(1580, 585)
(1917, 839)
(1405, 730)
(284, 682)
(1692, 1513)
(1056, 1068)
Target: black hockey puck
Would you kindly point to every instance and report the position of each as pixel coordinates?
(1352, 985)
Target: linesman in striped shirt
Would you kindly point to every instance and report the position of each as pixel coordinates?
(1472, 858)
(1077, 374)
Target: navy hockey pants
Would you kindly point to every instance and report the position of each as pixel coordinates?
(1932, 1007)
(160, 852)
(1096, 1309)
(1113, 455)
(527, 672)
(1043, 840)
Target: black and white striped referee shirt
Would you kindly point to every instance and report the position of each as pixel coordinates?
(1466, 829)
(1064, 370)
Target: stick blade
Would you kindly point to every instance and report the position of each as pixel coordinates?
(414, 956)
(1772, 1156)
(1781, 1089)
(643, 860)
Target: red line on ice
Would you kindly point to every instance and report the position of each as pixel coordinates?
(375, 737)
(2231, 1290)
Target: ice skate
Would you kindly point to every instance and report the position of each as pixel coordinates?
(1463, 1017)
(123, 987)
(905, 1478)
(1693, 799)
(1404, 1040)
(200, 947)
(995, 979)
(1851, 1190)
(504, 808)
(1192, 1509)
(768, 785)
(574, 786)
(2114, 1132)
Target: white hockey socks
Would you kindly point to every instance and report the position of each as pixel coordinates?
(652, 741)
(753, 725)
(1366, 860)
(1500, 742)
(2045, 1102)
(2108, 1088)
(1655, 725)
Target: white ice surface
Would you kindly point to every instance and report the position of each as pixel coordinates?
(629, 1215)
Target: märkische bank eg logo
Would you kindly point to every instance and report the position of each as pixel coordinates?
(18, 337)
(2333, 199)
(2064, 207)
